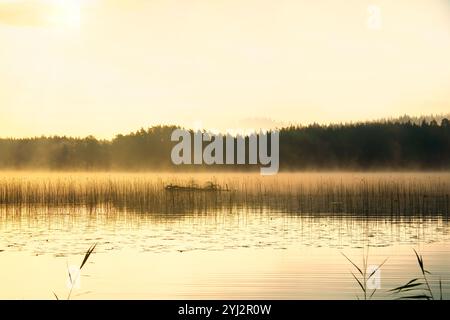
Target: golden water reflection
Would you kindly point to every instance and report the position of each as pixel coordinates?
(239, 254)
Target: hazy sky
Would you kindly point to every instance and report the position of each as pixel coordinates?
(101, 67)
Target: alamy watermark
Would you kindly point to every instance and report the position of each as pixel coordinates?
(374, 281)
(227, 149)
(73, 277)
(374, 19)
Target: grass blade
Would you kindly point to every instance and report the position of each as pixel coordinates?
(420, 261)
(409, 286)
(359, 270)
(359, 282)
(70, 274)
(378, 268)
(419, 296)
(87, 255)
(373, 292)
(405, 285)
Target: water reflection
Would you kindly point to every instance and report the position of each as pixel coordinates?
(239, 253)
(61, 231)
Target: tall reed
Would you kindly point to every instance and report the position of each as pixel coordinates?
(362, 194)
(418, 288)
(363, 276)
(73, 280)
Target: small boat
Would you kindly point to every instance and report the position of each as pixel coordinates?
(210, 187)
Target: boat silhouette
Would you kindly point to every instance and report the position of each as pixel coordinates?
(209, 187)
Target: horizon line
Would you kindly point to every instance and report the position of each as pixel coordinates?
(246, 131)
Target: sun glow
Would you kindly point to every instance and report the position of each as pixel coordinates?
(118, 65)
(65, 13)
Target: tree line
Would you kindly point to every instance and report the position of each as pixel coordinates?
(391, 144)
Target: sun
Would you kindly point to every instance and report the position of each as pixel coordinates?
(65, 13)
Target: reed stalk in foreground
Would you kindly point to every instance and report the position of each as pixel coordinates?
(73, 281)
(418, 288)
(364, 277)
(415, 289)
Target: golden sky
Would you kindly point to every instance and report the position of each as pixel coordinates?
(101, 67)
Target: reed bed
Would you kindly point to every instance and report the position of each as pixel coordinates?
(350, 193)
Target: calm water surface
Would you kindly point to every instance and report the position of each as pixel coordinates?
(239, 254)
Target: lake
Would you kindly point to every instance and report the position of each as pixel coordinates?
(279, 237)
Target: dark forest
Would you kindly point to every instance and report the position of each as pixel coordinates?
(394, 144)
